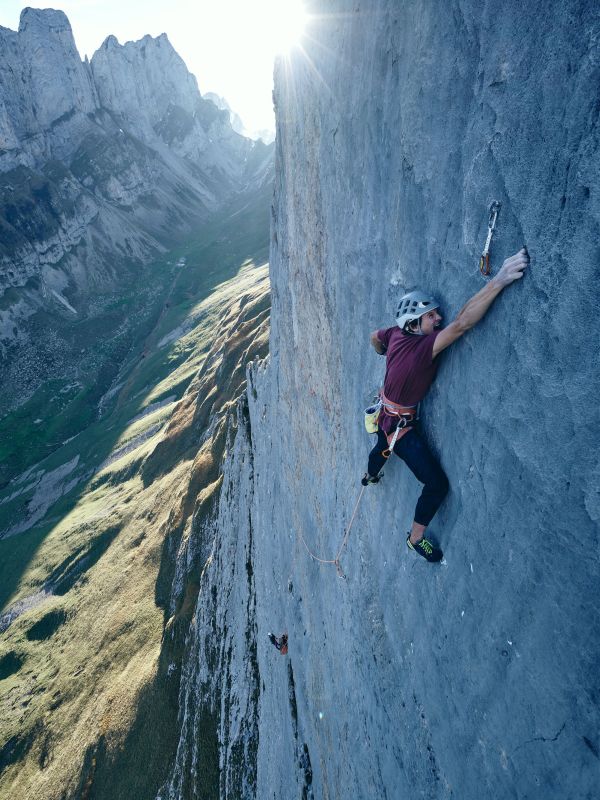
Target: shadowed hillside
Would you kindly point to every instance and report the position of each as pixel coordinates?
(96, 606)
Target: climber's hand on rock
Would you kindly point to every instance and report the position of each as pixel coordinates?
(513, 267)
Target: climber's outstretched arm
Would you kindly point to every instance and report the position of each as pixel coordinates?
(475, 308)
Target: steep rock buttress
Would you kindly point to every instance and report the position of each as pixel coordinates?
(396, 130)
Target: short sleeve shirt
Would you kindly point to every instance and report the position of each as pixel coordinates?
(410, 368)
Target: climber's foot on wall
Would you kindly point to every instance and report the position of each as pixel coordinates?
(367, 479)
(425, 548)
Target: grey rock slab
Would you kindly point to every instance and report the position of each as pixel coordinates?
(397, 125)
(46, 491)
(220, 681)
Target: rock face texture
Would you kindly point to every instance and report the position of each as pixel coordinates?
(397, 127)
(43, 79)
(102, 165)
(147, 85)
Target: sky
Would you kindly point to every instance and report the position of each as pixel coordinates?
(229, 45)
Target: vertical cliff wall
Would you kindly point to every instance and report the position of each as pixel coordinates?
(398, 124)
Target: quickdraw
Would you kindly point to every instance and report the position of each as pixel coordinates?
(403, 423)
(484, 261)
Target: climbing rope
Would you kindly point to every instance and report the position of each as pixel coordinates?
(484, 261)
(336, 560)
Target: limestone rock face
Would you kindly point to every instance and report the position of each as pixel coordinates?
(474, 678)
(220, 102)
(42, 79)
(147, 85)
(224, 665)
(139, 80)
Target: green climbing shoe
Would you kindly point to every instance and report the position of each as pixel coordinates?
(426, 549)
(367, 479)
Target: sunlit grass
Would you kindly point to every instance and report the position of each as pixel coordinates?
(86, 699)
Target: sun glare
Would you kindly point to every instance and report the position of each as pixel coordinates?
(287, 24)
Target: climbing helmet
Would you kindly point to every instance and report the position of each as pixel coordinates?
(413, 305)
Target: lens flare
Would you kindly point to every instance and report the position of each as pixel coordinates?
(287, 22)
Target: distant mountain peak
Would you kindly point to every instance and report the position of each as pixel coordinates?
(123, 141)
(110, 41)
(45, 19)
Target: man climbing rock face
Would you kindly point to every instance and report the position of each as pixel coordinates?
(412, 348)
(281, 642)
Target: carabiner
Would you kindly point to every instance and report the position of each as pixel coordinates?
(494, 209)
(484, 264)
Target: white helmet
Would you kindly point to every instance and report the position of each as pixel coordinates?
(412, 307)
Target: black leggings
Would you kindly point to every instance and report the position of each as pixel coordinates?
(414, 451)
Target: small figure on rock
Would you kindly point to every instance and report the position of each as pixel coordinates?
(281, 642)
(412, 348)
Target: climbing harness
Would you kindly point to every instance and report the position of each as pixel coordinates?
(484, 261)
(407, 418)
(336, 560)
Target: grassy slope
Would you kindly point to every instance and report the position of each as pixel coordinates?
(90, 675)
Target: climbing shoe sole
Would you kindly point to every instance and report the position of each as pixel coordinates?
(367, 479)
(426, 549)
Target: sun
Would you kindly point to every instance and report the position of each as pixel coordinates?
(287, 22)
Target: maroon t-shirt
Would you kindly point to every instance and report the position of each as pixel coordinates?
(409, 370)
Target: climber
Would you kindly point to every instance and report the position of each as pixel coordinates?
(411, 348)
(280, 643)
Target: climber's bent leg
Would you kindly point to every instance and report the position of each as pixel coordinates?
(376, 460)
(414, 451)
